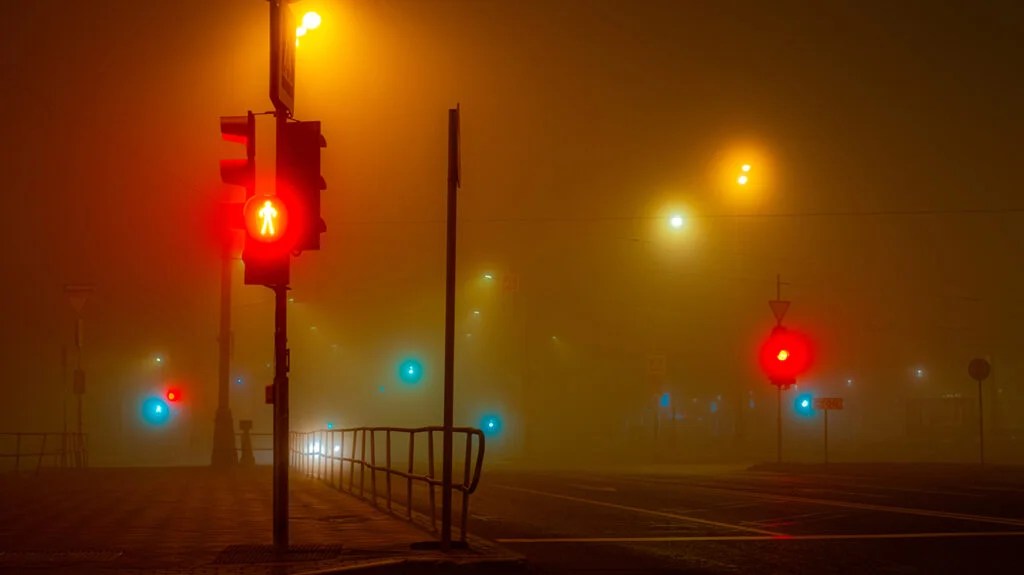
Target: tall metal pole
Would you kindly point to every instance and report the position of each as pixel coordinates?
(778, 426)
(224, 454)
(280, 417)
(78, 353)
(449, 331)
(981, 426)
(826, 436)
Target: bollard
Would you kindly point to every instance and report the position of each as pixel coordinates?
(247, 456)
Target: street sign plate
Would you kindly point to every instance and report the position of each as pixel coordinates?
(828, 403)
(779, 309)
(282, 58)
(656, 365)
(979, 369)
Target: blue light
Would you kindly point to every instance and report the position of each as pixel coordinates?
(665, 400)
(155, 411)
(804, 404)
(330, 425)
(491, 425)
(410, 371)
(238, 381)
(713, 406)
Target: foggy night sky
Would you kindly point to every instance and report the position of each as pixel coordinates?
(585, 124)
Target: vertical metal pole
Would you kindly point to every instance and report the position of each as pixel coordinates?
(981, 426)
(778, 426)
(280, 417)
(449, 332)
(78, 353)
(224, 454)
(826, 436)
(64, 395)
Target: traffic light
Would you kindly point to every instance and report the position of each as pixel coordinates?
(804, 404)
(784, 356)
(268, 245)
(491, 424)
(264, 219)
(410, 371)
(173, 395)
(155, 411)
(238, 171)
(300, 181)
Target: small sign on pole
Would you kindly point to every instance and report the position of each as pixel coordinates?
(827, 404)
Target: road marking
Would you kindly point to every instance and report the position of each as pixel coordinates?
(592, 487)
(642, 510)
(816, 537)
(872, 507)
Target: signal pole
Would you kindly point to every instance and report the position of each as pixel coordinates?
(223, 426)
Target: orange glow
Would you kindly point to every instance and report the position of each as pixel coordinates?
(783, 355)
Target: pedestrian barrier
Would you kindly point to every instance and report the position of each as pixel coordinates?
(337, 455)
(21, 450)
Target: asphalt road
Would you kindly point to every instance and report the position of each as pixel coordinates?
(731, 520)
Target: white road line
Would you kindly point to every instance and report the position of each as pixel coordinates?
(642, 510)
(814, 537)
(871, 507)
(592, 487)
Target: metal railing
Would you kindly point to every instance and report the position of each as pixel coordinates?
(334, 455)
(66, 449)
(259, 443)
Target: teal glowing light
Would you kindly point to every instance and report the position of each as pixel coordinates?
(410, 371)
(491, 424)
(155, 411)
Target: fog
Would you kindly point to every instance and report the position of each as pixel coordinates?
(883, 190)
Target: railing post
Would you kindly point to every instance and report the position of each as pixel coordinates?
(362, 465)
(387, 459)
(341, 461)
(465, 486)
(373, 466)
(408, 480)
(42, 451)
(430, 474)
(17, 453)
(330, 462)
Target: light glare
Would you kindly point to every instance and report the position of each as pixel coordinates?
(311, 20)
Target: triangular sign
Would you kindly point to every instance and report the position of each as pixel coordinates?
(779, 309)
(77, 294)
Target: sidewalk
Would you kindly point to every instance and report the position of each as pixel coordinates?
(197, 520)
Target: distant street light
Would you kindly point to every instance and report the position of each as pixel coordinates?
(743, 178)
(488, 276)
(311, 21)
(676, 221)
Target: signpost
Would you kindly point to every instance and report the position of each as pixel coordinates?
(827, 404)
(979, 369)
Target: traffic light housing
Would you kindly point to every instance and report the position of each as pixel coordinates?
(268, 245)
(300, 181)
(239, 171)
(784, 356)
(266, 251)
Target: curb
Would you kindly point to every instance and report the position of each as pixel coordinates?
(425, 566)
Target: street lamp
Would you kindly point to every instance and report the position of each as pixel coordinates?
(676, 221)
(310, 21)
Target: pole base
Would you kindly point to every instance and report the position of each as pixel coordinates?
(224, 454)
